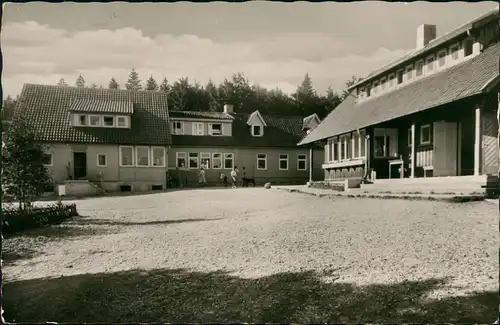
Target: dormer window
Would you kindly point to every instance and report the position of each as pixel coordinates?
(82, 120)
(94, 120)
(215, 129)
(178, 127)
(375, 87)
(430, 63)
(108, 120)
(368, 91)
(383, 83)
(400, 77)
(409, 72)
(454, 52)
(468, 47)
(419, 68)
(442, 58)
(257, 130)
(391, 80)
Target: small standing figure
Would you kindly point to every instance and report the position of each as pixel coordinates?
(223, 179)
(234, 175)
(202, 179)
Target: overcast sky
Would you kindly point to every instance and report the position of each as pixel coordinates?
(273, 44)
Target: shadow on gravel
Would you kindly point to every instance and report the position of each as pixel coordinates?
(108, 222)
(179, 296)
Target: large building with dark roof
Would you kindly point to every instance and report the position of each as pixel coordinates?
(265, 145)
(433, 112)
(100, 138)
(112, 140)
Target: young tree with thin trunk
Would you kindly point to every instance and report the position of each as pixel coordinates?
(133, 83)
(113, 84)
(24, 173)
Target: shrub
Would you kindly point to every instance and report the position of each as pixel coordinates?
(15, 220)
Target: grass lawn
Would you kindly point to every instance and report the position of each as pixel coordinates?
(255, 255)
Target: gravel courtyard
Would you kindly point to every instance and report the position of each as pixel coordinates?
(256, 255)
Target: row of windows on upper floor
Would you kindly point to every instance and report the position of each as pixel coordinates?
(213, 129)
(435, 62)
(100, 120)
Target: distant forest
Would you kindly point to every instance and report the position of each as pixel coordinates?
(237, 91)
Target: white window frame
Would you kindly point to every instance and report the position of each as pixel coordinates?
(197, 160)
(98, 120)
(152, 163)
(336, 141)
(211, 132)
(387, 149)
(261, 128)
(422, 127)
(392, 77)
(105, 160)
(206, 156)
(362, 143)
(445, 51)
(409, 138)
(121, 156)
(174, 129)
(221, 160)
(463, 46)
(383, 84)
(112, 121)
(409, 75)
(228, 155)
(343, 155)
(330, 151)
(369, 92)
(264, 159)
(355, 136)
(402, 77)
(427, 59)
(117, 121)
(422, 72)
(137, 156)
(457, 47)
(51, 163)
(375, 87)
(179, 155)
(80, 121)
(301, 158)
(280, 159)
(198, 128)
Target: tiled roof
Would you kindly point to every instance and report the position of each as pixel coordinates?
(85, 105)
(47, 108)
(281, 131)
(199, 114)
(457, 82)
(481, 20)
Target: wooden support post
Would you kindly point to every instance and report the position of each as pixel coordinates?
(477, 141)
(310, 165)
(413, 161)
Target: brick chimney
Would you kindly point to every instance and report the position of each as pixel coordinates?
(425, 34)
(228, 109)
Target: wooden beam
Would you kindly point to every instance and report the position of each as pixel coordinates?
(477, 141)
(310, 164)
(413, 162)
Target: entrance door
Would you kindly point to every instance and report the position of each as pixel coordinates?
(445, 148)
(80, 164)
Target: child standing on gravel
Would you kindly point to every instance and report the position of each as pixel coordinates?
(234, 174)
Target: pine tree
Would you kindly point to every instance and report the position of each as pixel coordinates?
(24, 174)
(151, 84)
(165, 86)
(113, 84)
(80, 82)
(62, 83)
(133, 83)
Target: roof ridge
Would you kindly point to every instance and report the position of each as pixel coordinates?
(95, 89)
(409, 55)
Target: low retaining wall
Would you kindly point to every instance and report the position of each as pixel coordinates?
(343, 185)
(15, 220)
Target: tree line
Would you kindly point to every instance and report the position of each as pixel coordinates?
(184, 95)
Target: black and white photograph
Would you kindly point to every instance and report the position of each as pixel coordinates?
(250, 162)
